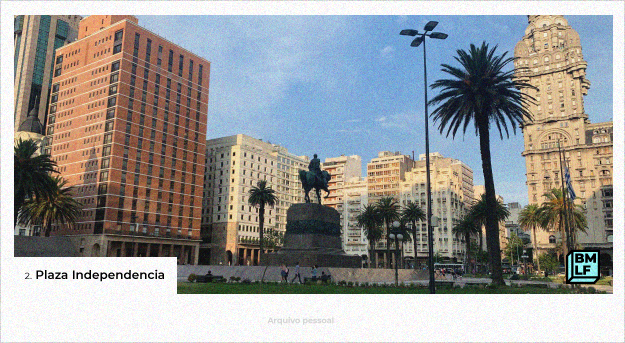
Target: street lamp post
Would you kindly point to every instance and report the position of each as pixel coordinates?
(397, 236)
(415, 43)
(524, 257)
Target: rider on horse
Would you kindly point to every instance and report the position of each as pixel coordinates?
(315, 167)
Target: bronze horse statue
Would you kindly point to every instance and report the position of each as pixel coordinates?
(310, 181)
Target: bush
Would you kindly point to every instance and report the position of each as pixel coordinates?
(350, 284)
(246, 281)
(591, 290)
(192, 277)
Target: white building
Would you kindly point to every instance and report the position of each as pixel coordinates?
(234, 165)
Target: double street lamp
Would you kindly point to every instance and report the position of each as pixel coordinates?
(415, 43)
(397, 235)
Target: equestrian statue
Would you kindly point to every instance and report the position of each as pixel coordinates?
(314, 178)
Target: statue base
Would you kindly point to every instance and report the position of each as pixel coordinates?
(312, 237)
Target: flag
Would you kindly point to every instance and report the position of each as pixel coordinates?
(569, 186)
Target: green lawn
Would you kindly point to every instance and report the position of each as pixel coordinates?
(272, 288)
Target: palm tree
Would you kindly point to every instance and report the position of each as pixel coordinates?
(57, 208)
(464, 229)
(480, 213)
(413, 213)
(551, 215)
(483, 93)
(261, 196)
(369, 219)
(32, 174)
(388, 208)
(529, 220)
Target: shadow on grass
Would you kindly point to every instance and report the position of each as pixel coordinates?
(276, 288)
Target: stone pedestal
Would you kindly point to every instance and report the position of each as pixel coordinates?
(312, 237)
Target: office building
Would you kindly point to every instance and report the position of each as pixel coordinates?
(36, 37)
(451, 183)
(549, 56)
(127, 127)
(234, 165)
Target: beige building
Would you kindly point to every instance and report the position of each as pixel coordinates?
(348, 194)
(36, 37)
(234, 165)
(384, 174)
(452, 194)
(549, 56)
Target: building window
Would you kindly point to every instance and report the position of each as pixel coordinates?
(552, 239)
(55, 88)
(180, 65)
(119, 35)
(115, 66)
(111, 101)
(170, 63)
(104, 176)
(117, 48)
(114, 77)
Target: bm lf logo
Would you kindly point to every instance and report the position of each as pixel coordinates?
(582, 266)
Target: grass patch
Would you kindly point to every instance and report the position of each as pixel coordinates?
(273, 288)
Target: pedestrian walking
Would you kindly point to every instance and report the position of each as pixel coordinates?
(296, 273)
(284, 272)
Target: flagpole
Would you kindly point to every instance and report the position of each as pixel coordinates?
(564, 201)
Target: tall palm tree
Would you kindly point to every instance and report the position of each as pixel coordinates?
(464, 229)
(529, 220)
(56, 208)
(261, 196)
(389, 209)
(484, 93)
(551, 215)
(32, 174)
(480, 213)
(369, 219)
(413, 213)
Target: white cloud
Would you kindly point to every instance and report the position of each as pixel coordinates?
(387, 51)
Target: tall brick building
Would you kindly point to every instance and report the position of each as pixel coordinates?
(127, 127)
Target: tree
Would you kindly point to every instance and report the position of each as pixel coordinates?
(529, 220)
(514, 247)
(261, 196)
(32, 174)
(549, 262)
(479, 213)
(47, 210)
(389, 212)
(413, 213)
(484, 93)
(464, 229)
(273, 239)
(551, 216)
(370, 220)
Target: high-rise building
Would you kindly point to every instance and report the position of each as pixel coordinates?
(451, 182)
(549, 56)
(348, 194)
(384, 174)
(36, 37)
(127, 127)
(234, 165)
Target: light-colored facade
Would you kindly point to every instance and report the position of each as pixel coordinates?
(234, 165)
(348, 194)
(354, 200)
(127, 128)
(451, 182)
(549, 56)
(384, 174)
(36, 37)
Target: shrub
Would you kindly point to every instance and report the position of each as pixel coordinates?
(350, 284)
(246, 281)
(192, 277)
(591, 290)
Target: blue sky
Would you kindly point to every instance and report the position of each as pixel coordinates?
(352, 85)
